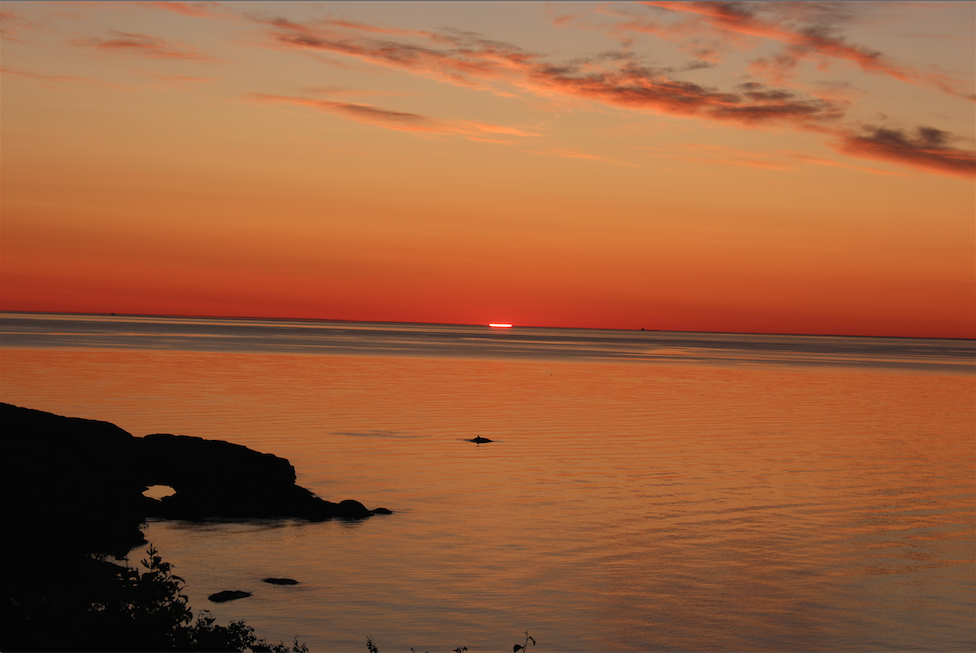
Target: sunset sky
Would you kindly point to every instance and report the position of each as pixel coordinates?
(746, 167)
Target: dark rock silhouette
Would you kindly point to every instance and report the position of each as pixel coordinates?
(216, 479)
(352, 509)
(480, 440)
(80, 479)
(228, 595)
(281, 581)
(66, 477)
(71, 493)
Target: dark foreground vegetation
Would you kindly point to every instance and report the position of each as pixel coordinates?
(101, 606)
(72, 506)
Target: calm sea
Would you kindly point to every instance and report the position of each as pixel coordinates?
(644, 490)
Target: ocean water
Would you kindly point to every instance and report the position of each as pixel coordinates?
(644, 490)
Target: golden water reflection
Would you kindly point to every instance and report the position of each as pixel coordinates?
(619, 507)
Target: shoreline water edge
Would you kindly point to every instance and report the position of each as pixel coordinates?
(73, 500)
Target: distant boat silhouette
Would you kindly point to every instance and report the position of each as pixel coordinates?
(479, 440)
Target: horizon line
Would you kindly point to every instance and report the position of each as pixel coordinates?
(514, 327)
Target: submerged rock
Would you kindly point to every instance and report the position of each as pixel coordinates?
(281, 581)
(228, 595)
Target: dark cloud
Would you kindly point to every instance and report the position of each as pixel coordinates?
(928, 148)
(636, 87)
(612, 77)
(619, 79)
(362, 112)
(461, 65)
(376, 114)
(809, 30)
(697, 65)
(760, 93)
(402, 120)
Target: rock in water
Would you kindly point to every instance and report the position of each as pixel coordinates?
(228, 595)
(352, 509)
(281, 581)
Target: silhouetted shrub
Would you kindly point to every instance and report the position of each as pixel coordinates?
(122, 609)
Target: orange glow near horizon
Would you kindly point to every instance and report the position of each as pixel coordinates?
(215, 162)
(500, 325)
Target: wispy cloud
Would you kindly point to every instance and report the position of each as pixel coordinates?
(809, 30)
(618, 78)
(12, 24)
(374, 29)
(194, 9)
(615, 78)
(183, 78)
(57, 81)
(399, 120)
(722, 155)
(342, 91)
(635, 87)
(779, 160)
(820, 161)
(575, 154)
(43, 77)
(459, 58)
(926, 148)
(142, 45)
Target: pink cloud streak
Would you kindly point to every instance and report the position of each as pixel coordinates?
(802, 41)
(615, 79)
(399, 120)
(475, 62)
(58, 79)
(574, 154)
(12, 24)
(194, 9)
(143, 45)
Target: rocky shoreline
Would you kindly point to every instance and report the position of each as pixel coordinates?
(72, 499)
(72, 485)
(97, 471)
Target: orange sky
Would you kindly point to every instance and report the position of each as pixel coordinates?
(768, 167)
